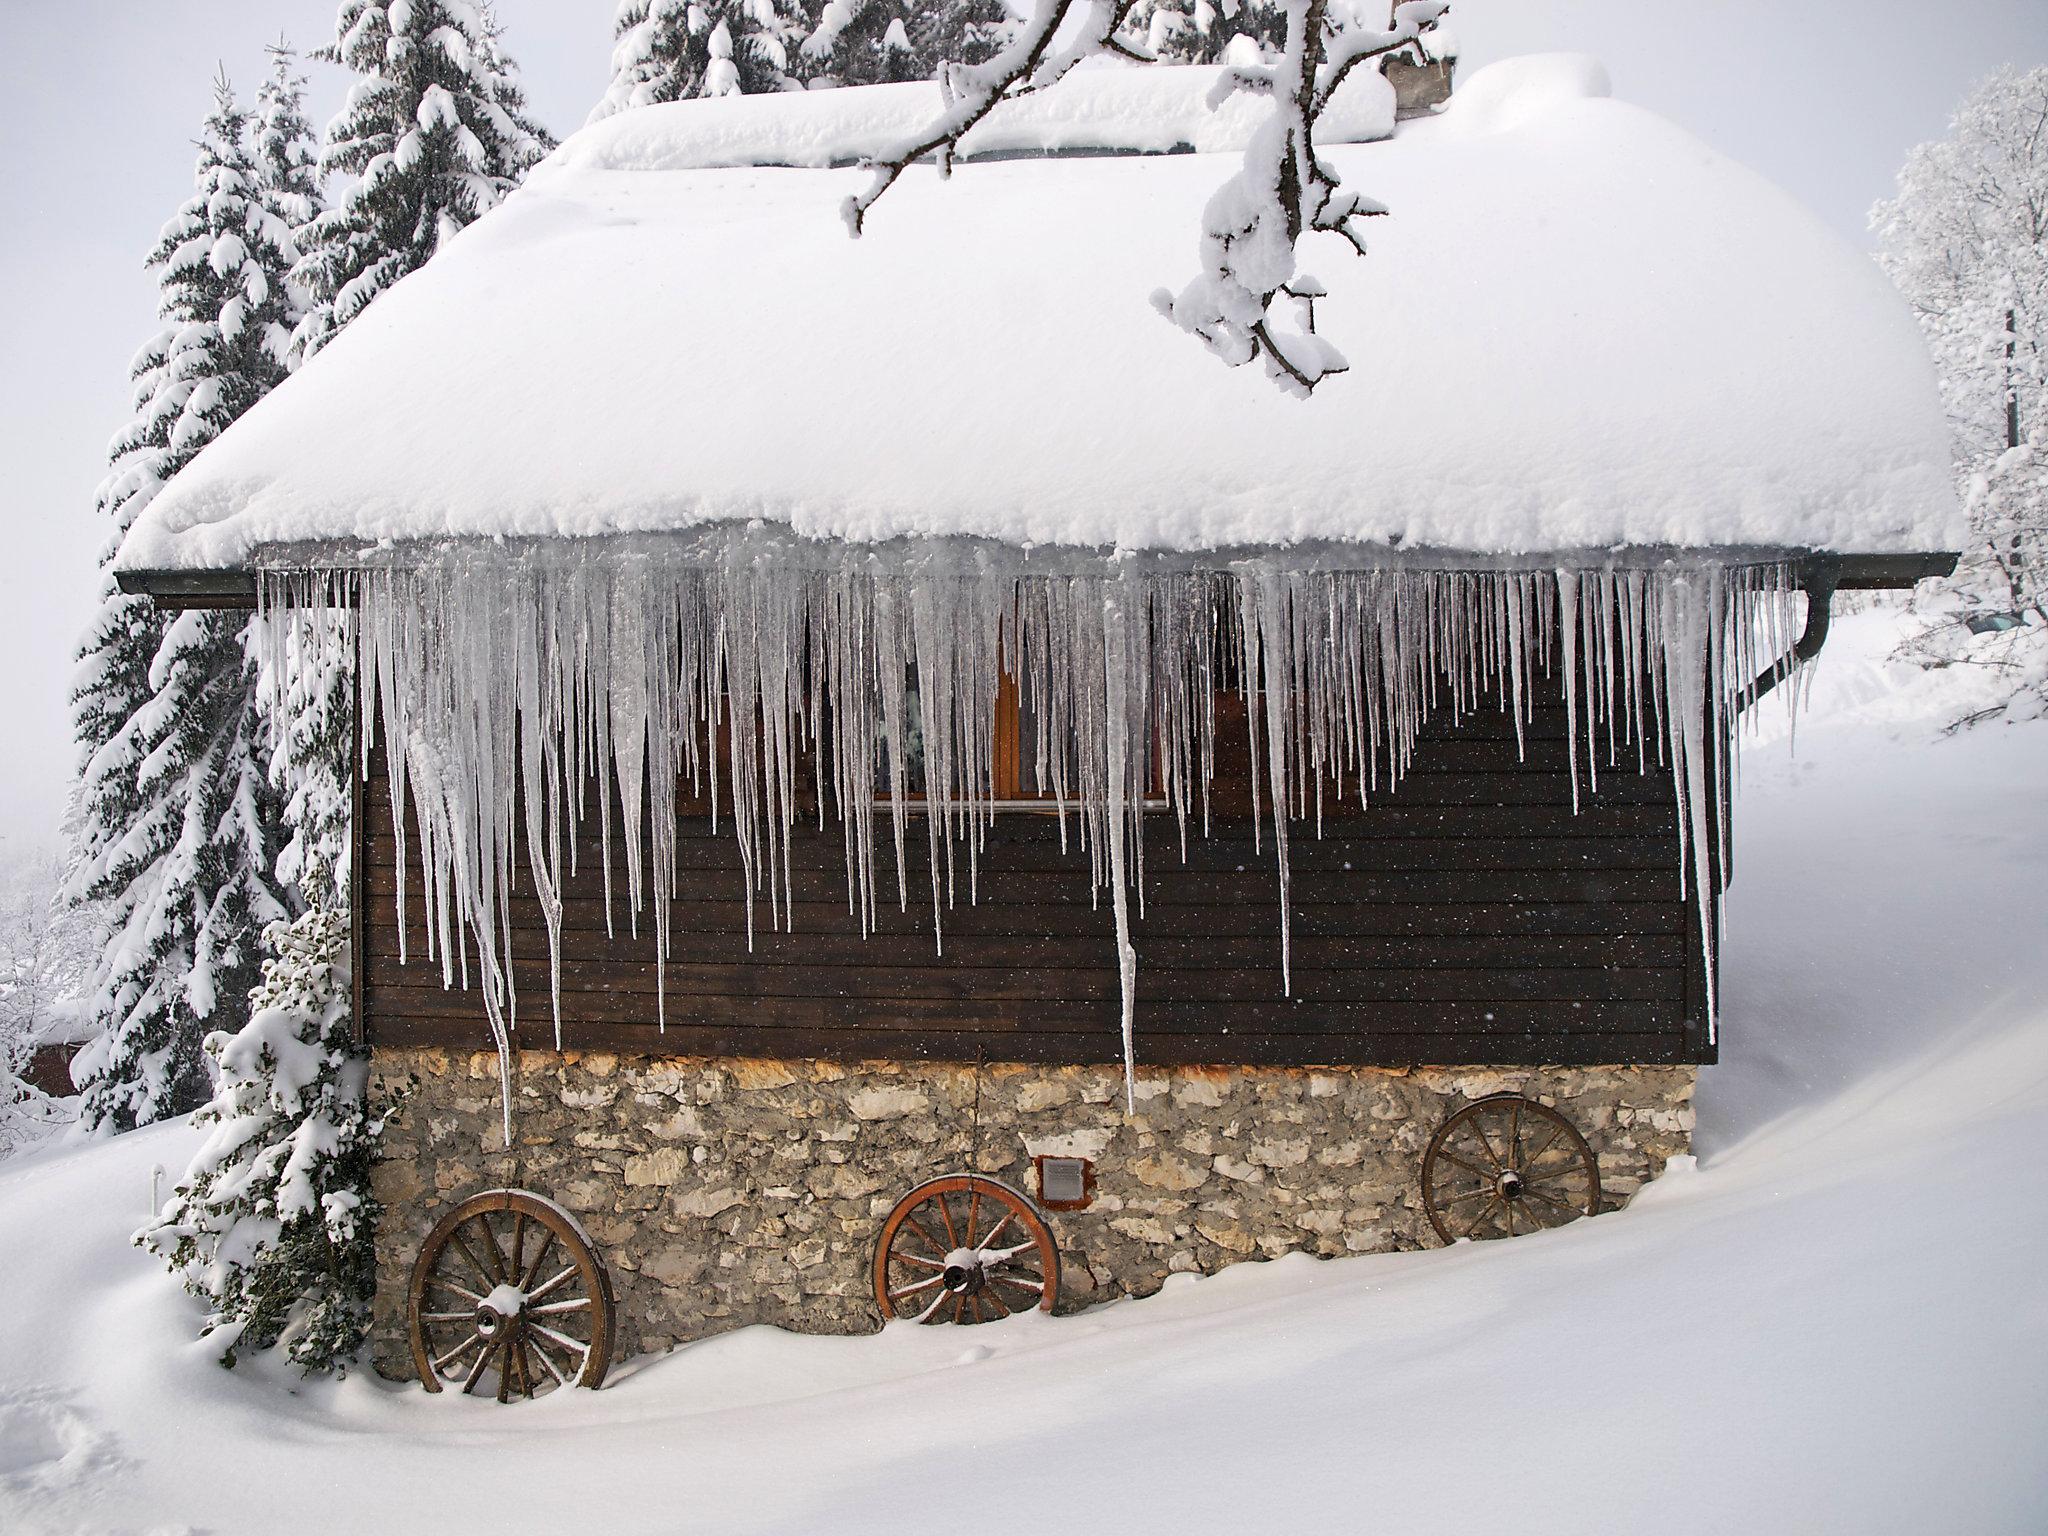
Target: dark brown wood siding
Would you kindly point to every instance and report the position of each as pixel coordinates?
(1467, 917)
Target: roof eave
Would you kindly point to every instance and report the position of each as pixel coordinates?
(177, 590)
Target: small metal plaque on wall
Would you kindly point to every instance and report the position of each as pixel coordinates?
(1065, 1183)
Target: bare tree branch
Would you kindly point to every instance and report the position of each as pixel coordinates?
(1256, 219)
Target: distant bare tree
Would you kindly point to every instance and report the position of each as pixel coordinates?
(1966, 240)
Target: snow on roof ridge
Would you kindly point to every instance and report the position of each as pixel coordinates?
(1116, 108)
(1580, 328)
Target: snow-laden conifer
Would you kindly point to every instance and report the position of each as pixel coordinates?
(672, 50)
(1966, 240)
(434, 134)
(177, 833)
(871, 42)
(1209, 31)
(273, 1224)
(306, 694)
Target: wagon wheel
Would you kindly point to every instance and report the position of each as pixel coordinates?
(965, 1249)
(507, 1297)
(1504, 1166)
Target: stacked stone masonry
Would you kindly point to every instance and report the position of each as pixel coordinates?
(724, 1192)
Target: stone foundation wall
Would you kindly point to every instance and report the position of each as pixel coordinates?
(724, 1192)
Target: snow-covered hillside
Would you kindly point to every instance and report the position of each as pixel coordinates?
(1835, 1323)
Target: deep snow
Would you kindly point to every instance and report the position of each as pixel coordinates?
(1580, 327)
(1835, 1323)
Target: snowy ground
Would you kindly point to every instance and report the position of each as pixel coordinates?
(1838, 1322)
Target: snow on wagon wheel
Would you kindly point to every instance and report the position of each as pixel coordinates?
(1504, 1166)
(965, 1249)
(507, 1297)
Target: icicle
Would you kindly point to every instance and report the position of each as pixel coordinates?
(513, 684)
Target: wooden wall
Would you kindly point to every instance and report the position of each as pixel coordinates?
(1469, 917)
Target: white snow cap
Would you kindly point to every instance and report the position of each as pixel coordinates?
(1580, 328)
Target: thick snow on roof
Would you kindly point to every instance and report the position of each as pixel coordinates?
(1580, 328)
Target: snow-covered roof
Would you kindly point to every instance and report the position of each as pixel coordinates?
(1580, 328)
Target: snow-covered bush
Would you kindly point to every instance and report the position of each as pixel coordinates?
(273, 1223)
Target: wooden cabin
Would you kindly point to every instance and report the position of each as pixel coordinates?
(834, 712)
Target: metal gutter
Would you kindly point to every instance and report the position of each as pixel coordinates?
(1821, 577)
(175, 590)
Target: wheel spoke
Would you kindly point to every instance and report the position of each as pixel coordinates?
(447, 1317)
(490, 1236)
(945, 1215)
(902, 1291)
(442, 1362)
(1472, 1168)
(930, 1242)
(540, 1351)
(580, 1304)
(973, 1212)
(540, 1254)
(1549, 1141)
(1476, 1128)
(1570, 1211)
(483, 1360)
(995, 1231)
(518, 1242)
(900, 1257)
(1463, 1194)
(551, 1287)
(1484, 1212)
(576, 1346)
(1022, 1285)
(484, 1274)
(1515, 1136)
(446, 1284)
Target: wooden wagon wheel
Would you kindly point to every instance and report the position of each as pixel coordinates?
(965, 1249)
(507, 1297)
(1504, 1166)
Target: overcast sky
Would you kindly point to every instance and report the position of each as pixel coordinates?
(99, 105)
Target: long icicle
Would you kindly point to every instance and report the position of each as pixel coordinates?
(511, 684)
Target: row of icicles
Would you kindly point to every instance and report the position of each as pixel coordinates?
(508, 684)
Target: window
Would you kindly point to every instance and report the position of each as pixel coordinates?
(1022, 778)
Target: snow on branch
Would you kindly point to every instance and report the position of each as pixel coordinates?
(1249, 290)
(971, 91)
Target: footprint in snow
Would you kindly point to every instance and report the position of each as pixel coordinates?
(46, 1444)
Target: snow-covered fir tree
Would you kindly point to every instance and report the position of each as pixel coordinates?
(434, 133)
(1966, 240)
(672, 50)
(273, 1224)
(304, 694)
(1208, 31)
(871, 42)
(286, 153)
(177, 832)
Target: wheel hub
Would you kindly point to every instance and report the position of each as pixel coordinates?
(964, 1273)
(500, 1312)
(1510, 1184)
